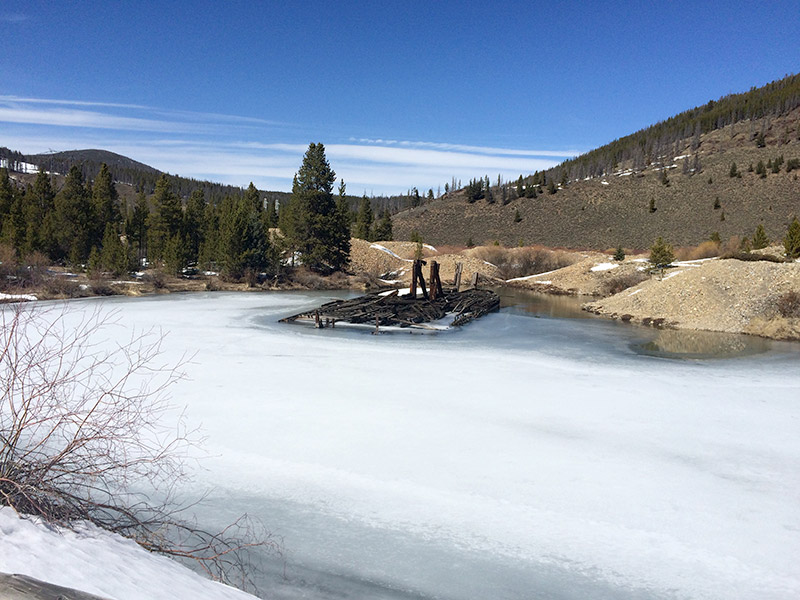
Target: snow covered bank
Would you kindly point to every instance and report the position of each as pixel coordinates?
(99, 562)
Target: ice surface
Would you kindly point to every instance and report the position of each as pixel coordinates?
(517, 458)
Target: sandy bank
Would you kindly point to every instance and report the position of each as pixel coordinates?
(715, 295)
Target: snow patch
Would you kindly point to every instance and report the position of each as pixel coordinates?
(389, 252)
(604, 267)
(22, 297)
(98, 562)
(604, 183)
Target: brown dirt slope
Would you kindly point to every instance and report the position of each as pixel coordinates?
(715, 295)
(602, 213)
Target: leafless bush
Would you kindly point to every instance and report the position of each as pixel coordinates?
(87, 434)
(706, 249)
(157, 278)
(63, 287)
(788, 305)
(615, 285)
(519, 262)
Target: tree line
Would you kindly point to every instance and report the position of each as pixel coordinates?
(241, 235)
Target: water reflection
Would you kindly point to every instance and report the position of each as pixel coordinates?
(663, 343)
(540, 304)
(701, 344)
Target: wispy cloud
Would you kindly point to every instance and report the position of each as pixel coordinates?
(13, 17)
(223, 147)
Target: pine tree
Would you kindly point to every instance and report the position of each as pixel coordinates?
(105, 204)
(74, 218)
(314, 229)
(113, 257)
(517, 217)
(733, 171)
(165, 221)
(253, 197)
(243, 245)
(619, 255)
(383, 228)
(791, 241)
(364, 219)
(193, 230)
(760, 239)
(136, 229)
(40, 217)
(661, 254)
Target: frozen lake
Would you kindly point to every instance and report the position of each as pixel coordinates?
(517, 458)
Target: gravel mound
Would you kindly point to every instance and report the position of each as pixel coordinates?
(392, 261)
(714, 295)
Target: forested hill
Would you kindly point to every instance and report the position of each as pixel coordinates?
(757, 106)
(720, 169)
(140, 177)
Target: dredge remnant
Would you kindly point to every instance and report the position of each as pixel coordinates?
(408, 310)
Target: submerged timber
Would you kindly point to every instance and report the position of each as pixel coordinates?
(393, 310)
(390, 309)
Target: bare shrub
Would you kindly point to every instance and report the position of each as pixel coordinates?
(63, 287)
(707, 249)
(788, 305)
(8, 266)
(157, 278)
(87, 434)
(519, 262)
(615, 285)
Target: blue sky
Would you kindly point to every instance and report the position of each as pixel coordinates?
(402, 94)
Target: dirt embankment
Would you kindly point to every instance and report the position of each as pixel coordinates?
(595, 274)
(391, 261)
(713, 295)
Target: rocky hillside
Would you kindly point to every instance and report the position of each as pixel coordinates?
(685, 194)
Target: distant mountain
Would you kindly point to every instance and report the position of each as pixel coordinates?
(675, 179)
(60, 162)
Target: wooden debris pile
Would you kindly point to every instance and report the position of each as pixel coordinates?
(392, 309)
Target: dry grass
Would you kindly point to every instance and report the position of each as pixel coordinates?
(622, 282)
(519, 262)
(706, 249)
(788, 305)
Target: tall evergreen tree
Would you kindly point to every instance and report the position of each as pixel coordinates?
(193, 224)
(253, 197)
(40, 217)
(791, 241)
(383, 228)
(165, 221)
(760, 239)
(136, 229)
(243, 243)
(105, 204)
(364, 219)
(7, 198)
(74, 218)
(315, 230)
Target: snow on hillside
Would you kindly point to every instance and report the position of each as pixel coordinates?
(99, 562)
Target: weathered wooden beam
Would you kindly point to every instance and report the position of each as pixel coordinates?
(457, 277)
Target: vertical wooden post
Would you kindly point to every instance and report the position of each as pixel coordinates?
(435, 281)
(317, 321)
(414, 279)
(418, 268)
(457, 279)
(475, 280)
